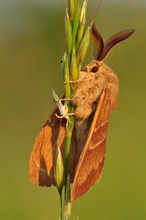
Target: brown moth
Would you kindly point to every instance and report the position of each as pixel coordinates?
(94, 99)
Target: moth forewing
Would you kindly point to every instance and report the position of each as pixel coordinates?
(91, 161)
(43, 155)
(88, 171)
(94, 100)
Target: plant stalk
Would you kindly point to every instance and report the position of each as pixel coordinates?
(77, 40)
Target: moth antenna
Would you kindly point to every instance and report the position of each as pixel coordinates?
(98, 42)
(112, 41)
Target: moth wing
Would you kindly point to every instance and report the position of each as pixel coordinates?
(92, 158)
(42, 159)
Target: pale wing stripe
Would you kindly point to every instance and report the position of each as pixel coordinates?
(41, 169)
(91, 146)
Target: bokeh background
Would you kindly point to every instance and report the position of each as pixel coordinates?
(32, 42)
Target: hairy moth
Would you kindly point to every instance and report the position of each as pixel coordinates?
(94, 99)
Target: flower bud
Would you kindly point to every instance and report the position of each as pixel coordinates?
(72, 5)
(83, 12)
(59, 171)
(68, 30)
(74, 72)
(66, 76)
(84, 46)
(82, 23)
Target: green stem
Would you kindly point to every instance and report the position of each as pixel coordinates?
(61, 206)
(75, 25)
(77, 44)
(69, 131)
(67, 201)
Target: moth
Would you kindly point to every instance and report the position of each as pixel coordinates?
(94, 99)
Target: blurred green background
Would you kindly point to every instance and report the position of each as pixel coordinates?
(32, 42)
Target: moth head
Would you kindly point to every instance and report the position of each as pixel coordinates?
(93, 67)
(101, 49)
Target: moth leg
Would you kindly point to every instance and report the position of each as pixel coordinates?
(61, 116)
(84, 78)
(73, 81)
(65, 99)
(66, 117)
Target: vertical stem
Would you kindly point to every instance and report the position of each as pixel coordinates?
(69, 129)
(67, 207)
(67, 203)
(76, 48)
(61, 206)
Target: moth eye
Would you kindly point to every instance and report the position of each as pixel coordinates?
(94, 69)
